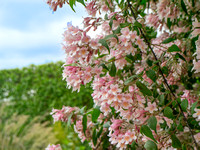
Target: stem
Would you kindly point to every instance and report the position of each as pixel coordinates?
(160, 70)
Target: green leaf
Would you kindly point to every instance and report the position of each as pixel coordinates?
(168, 112)
(161, 99)
(82, 110)
(169, 23)
(105, 44)
(146, 131)
(183, 6)
(133, 145)
(153, 35)
(168, 40)
(193, 3)
(104, 66)
(94, 137)
(149, 62)
(180, 127)
(152, 123)
(71, 4)
(130, 79)
(165, 70)
(137, 24)
(184, 147)
(111, 23)
(69, 120)
(151, 74)
(175, 141)
(128, 60)
(179, 56)
(155, 93)
(102, 55)
(111, 36)
(113, 70)
(184, 105)
(117, 31)
(84, 123)
(193, 107)
(95, 114)
(111, 59)
(150, 145)
(174, 48)
(143, 89)
(107, 124)
(100, 131)
(123, 25)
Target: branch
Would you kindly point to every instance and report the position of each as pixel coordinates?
(160, 70)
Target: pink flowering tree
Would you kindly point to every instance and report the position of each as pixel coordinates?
(144, 69)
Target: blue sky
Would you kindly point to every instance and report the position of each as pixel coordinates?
(30, 33)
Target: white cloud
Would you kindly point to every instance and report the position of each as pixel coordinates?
(48, 34)
(18, 44)
(14, 43)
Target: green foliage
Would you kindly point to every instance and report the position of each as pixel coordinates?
(174, 48)
(95, 114)
(168, 40)
(184, 105)
(112, 71)
(168, 112)
(35, 90)
(31, 92)
(152, 123)
(150, 145)
(143, 88)
(146, 131)
(151, 74)
(175, 141)
(105, 44)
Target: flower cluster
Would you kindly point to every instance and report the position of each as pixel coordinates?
(63, 114)
(145, 83)
(53, 147)
(55, 3)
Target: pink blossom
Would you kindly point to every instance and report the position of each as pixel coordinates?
(152, 20)
(131, 89)
(53, 147)
(196, 30)
(126, 32)
(196, 66)
(62, 114)
(141, 44)
(197, 137)
(197, 114)
(91, 8)
(151, 107)
(55, 3)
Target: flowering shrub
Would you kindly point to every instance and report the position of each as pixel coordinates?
(144, 69)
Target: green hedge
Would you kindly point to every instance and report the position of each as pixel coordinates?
(35, 90)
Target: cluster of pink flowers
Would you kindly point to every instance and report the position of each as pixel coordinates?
(196, 32)
(118, 54)
(121, 136)
(167, 9)
(55, 3)
(197, 114)
(78, 128)
(53, 147)
(63, 114)
(79, 49)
